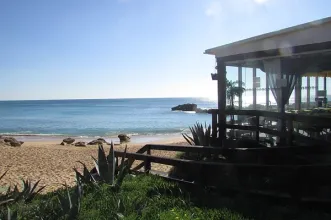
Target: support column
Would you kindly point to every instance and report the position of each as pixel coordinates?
(298, 94)
(254, 89)
(308, 92)
(267, 90)
(316, 90)
(316, 87)
(221, 84)
(325, 91)
(282, 125)
(240, 79)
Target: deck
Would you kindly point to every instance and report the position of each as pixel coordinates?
(297, 130)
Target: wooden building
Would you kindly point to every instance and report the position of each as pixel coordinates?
(285, 56)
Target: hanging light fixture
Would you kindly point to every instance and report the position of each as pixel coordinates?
(214, 75)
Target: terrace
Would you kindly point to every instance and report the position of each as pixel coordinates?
(285, 57)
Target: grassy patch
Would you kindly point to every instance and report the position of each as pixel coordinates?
(140, 197)
(150, 197)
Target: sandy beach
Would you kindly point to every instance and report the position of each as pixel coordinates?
(53, 164)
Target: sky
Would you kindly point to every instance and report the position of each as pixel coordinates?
(83, 49)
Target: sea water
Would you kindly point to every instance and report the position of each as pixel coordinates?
(99, 117)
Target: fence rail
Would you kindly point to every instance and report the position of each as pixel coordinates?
(286, 132)
(297, 174)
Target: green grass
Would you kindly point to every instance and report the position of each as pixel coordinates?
(150, 197)
(140, 197)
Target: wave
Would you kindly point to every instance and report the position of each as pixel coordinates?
(110, 135)
(39, 135)
(188, 112)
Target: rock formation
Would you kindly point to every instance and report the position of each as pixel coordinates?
(123, 138)
(80, 144)
(68, 140)
(12, 142)
(185, 107)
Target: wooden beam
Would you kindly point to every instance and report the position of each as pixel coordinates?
(298, 94)
(218, 150)
(254, 89)
(316, 86)
(326, 103)
(214, 126)
(221, 82)
(267, 90)
(276, 53)
(308, 92)
(240, 79)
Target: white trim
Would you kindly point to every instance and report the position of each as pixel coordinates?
(309, 33)
(239, 62)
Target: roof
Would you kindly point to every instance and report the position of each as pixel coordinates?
(315, 32)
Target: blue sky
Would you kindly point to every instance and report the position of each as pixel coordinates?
(68, 49)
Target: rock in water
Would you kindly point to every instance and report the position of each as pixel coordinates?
(80, 144)
(185, 107)
(68, 140)
(123, 138)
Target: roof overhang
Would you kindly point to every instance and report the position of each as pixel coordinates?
(308, 38)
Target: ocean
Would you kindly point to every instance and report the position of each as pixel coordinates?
(47, 119)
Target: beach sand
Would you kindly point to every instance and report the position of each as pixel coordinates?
(53, 164)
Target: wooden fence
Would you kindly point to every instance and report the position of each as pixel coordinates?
(300, 176)
(287, 132)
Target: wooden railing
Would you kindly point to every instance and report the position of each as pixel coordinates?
(300, 175)
(286, 132)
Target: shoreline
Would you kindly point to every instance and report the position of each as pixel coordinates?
(57, 139)
(53, 164)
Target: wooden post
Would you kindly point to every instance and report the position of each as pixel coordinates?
(240, 79)
(298, 94)
(257, 132)
(316, 87)
(221, 82)
(282, 112)
(254, 89)
(325, 104)
(214, 126)
(267, 90)
(308, 92)
(290, 131)
(147, 165)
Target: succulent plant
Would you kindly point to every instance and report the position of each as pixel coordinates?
(12, 215)
(106, 169)
(29, 191)
(200, 135)
(70, 204)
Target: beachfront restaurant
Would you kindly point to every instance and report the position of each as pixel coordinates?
(290, 60)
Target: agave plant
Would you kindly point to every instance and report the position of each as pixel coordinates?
(200, 135)
(70, 204)
(29, 191)
(12, 215)
(106, 169)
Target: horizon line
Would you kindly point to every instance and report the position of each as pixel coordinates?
(74, 99)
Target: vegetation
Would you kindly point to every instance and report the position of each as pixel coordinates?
(109, 191)
(234, 90)
(201, 136)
